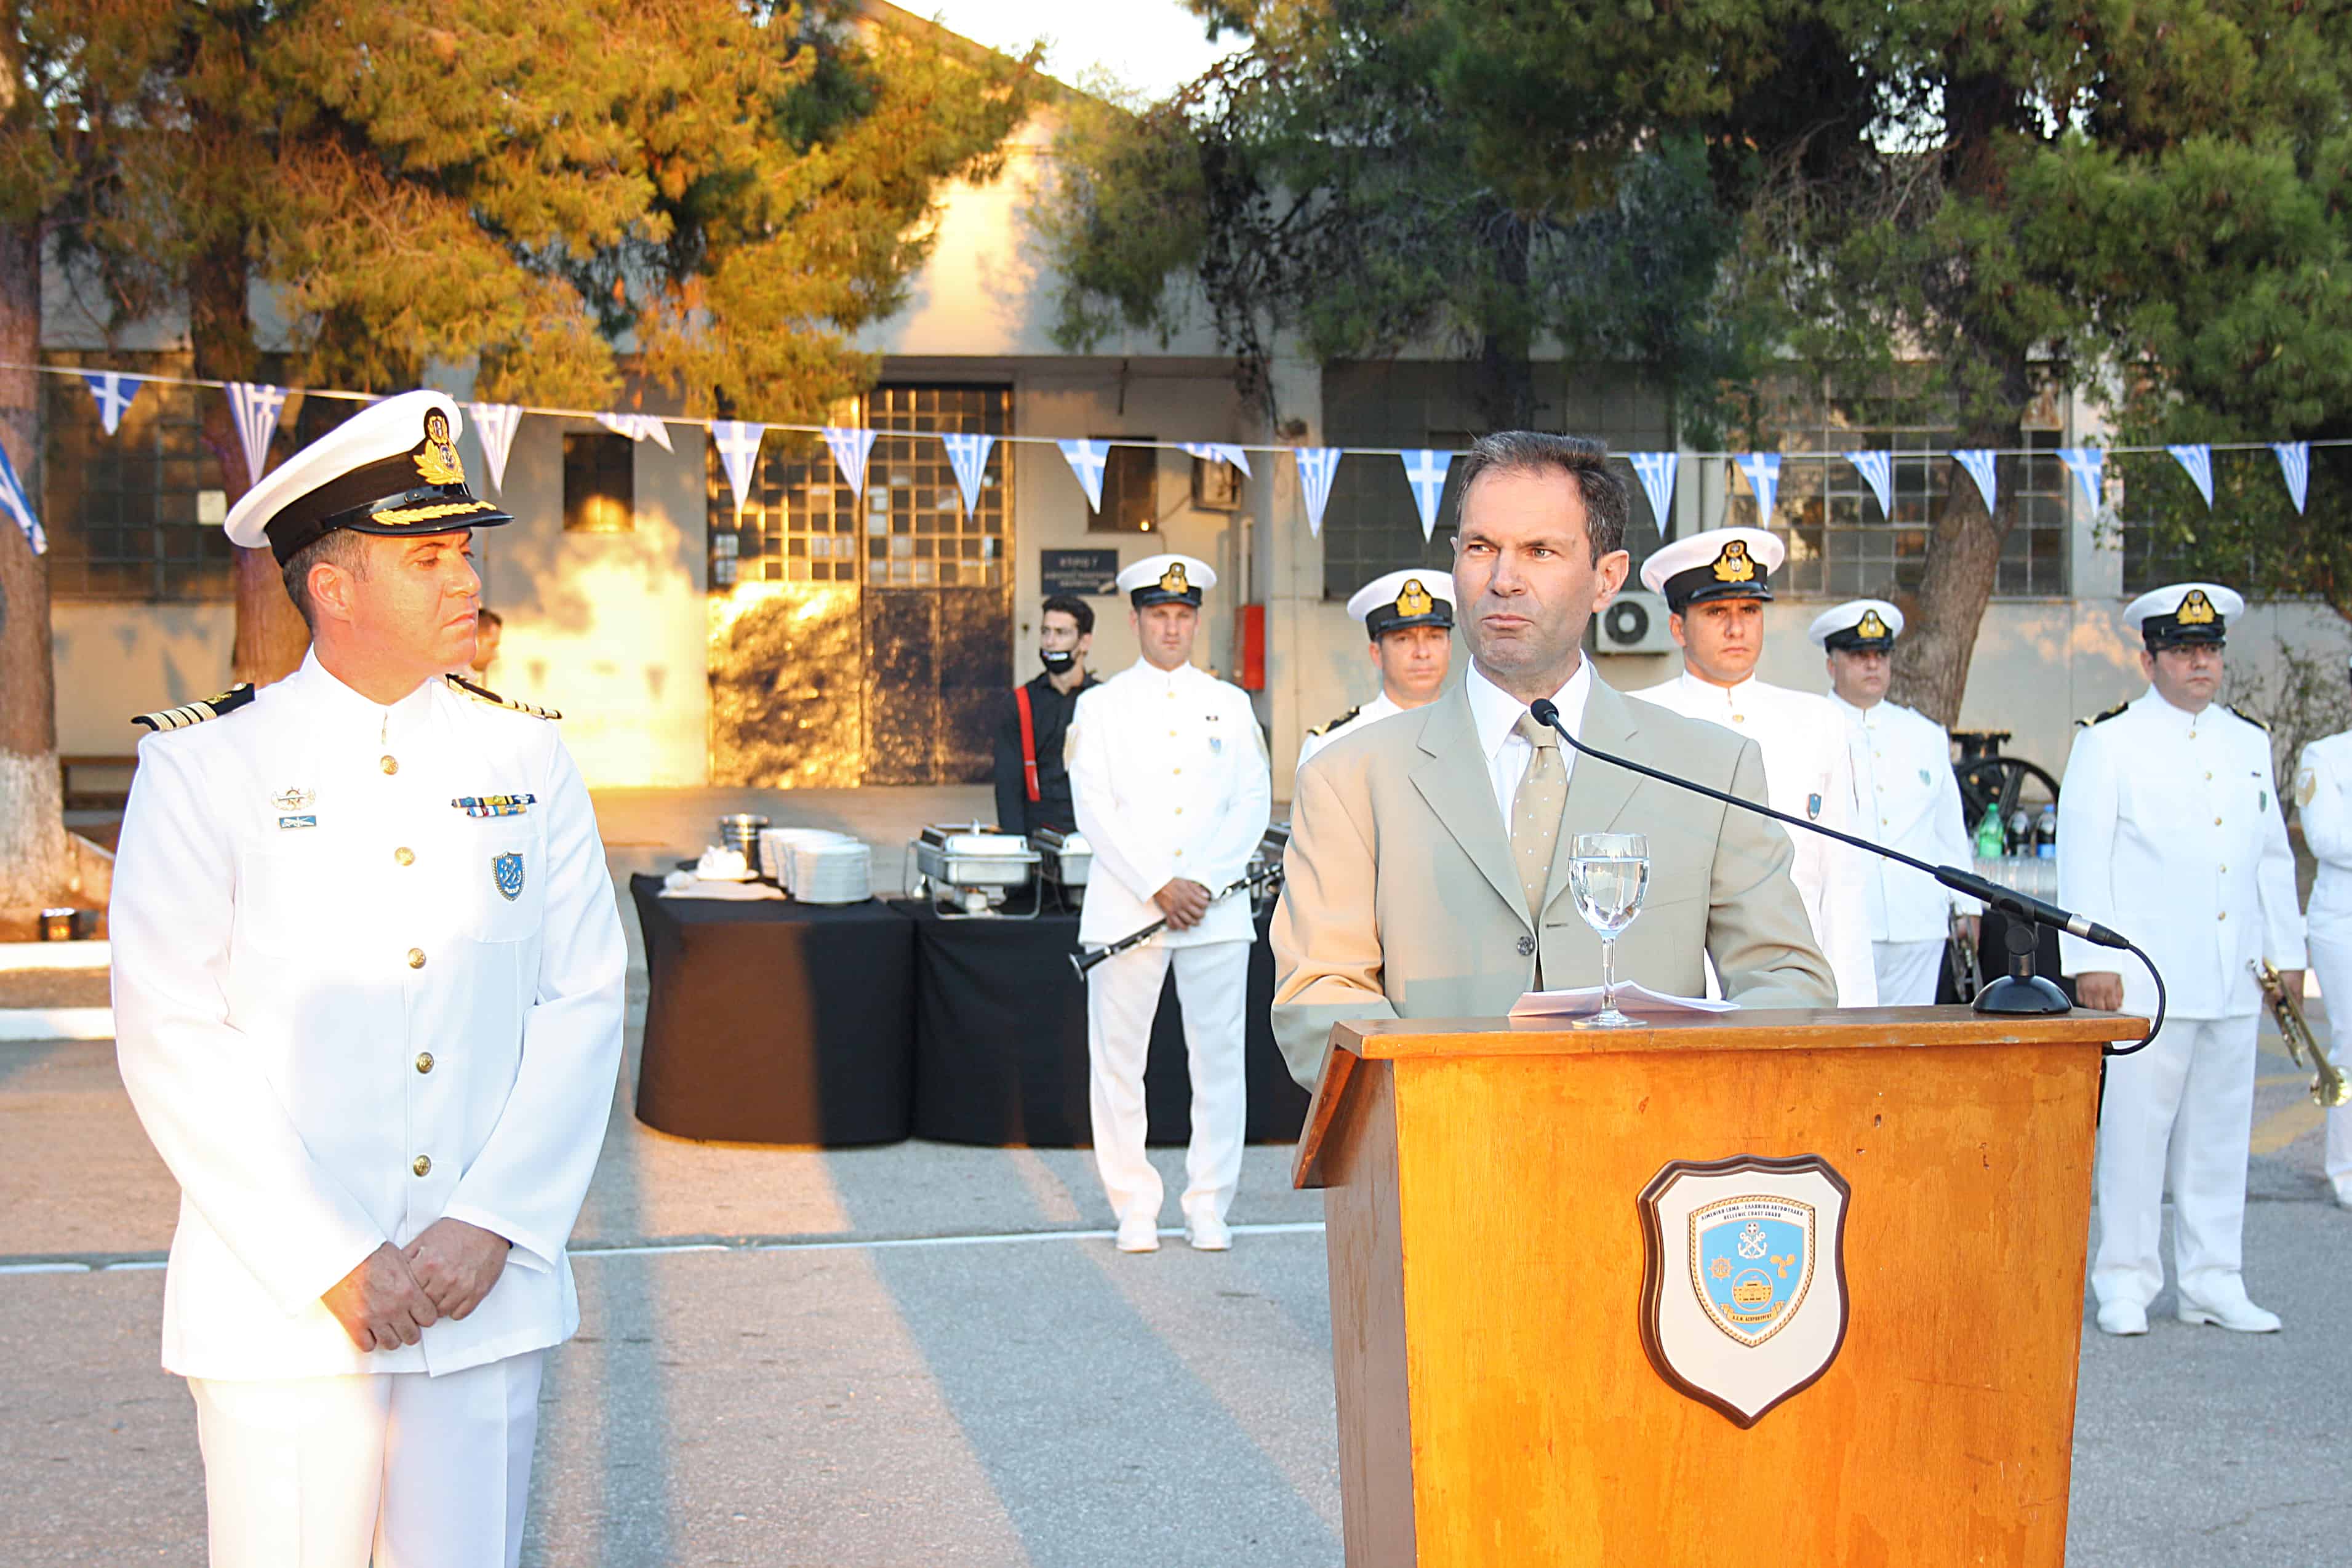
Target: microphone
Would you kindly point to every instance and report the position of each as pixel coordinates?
(2021, 907)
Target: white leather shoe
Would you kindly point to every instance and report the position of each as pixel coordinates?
(2241, 1315)
(1208, 1234)
(1139, 1233)
(2123, 1318)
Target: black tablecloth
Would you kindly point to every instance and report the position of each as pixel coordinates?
(772, 1022)
(1000, 1039)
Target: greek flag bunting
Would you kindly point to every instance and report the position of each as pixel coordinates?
(1316, 467)
(2197, 462)
(2088, 463)
(1220, 452)
(1086, 459)
(115, 392)
(1656, 472)
(16, 504)
(254, 409)
(968, 456)
(1979, 462)
(639, 427)
(737, 441)
(1877, 471)
(1763, 471)
(494, 427)
(1424, 471)
(850, 445)
(2294, 466)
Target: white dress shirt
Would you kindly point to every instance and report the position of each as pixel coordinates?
(1907, 798)
(1168, 778)
(348, 1005)
(1498, 714)
(1808, 774)
(2169, 831)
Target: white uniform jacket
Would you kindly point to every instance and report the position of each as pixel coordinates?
(1378, 707)
(2323, 775)
(1808, 772)
(347, 1006)
(2169, 831)
(1907, 798)
(1168, 777)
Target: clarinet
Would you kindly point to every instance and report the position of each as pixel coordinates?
(1266, 876)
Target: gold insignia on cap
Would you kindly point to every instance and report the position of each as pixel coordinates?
(1872, 628)
(1732, 565)
(2195, 609)
(436, 461)
(1414, 600)
(1172, 581)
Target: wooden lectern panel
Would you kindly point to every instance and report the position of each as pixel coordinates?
(1496, 1405)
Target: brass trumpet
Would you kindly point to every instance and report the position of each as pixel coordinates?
(2328, 1086)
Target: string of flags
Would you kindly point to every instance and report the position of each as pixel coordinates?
(257, 409)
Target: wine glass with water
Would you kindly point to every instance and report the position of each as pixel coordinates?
(1607, 874)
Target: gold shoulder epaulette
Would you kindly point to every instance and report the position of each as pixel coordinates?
(188, 713)
(2249, 718)
(1335, 724)
(483, 694)
(2101, 718)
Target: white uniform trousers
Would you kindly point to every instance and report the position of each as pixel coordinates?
(2331, 959)
(405, 1469)
(1122, 996)
(2182, 1108)
(1907, 972)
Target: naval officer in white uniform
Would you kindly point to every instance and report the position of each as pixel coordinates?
(1168, 777)
(1716, 586)
(367, 990)
(1409, 615)
(2169, 831)
(1906, 796)
(2323, 797)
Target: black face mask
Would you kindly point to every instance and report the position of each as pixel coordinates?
(1057, 663)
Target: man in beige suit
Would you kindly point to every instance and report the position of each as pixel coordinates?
(1405, 894)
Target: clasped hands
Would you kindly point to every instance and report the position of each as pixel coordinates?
(1183, 902)
(398, 1293)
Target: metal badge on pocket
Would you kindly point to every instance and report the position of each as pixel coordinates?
(505, 870)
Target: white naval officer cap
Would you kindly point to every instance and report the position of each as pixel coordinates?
(2184, 613)
(1721, 564)
(1413, 597)
(1857, 625)
(391, 468)
(1166, 580)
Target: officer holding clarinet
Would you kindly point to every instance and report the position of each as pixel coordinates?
(1170, 781)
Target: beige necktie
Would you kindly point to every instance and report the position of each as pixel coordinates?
(1536, 811)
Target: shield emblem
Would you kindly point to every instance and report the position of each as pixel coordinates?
(1813, 806)
(1743, 1287)
(505, 870)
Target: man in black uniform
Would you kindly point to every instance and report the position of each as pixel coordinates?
(1033, 786)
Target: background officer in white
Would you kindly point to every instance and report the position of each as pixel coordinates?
(1716, 586)
(2323, 776)
(367, 988)
(1169, 774)
(2169, 831)
(1409, 615)
(1906, 796)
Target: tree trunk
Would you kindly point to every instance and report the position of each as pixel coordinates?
(270, 635)
(34, 865)
(1931, 657)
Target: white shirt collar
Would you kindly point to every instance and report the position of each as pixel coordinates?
(1859, 715)
(1496, 712)
(1144, 667)
(1708, 690)
(345, 704)
(2180, 717)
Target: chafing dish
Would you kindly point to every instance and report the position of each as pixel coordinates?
(1064, 859)
(969, 869)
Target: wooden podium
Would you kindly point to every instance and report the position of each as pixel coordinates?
(1497, 1404)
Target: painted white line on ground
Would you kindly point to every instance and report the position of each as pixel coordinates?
(56, 1023)
(45, 1269)
(89, 954)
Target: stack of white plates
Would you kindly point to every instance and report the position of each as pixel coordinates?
(837, 873)
(777, 844)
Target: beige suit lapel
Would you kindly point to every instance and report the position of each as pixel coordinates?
(1597, 791)
(1455, 782)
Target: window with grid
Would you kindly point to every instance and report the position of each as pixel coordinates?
(1842, 545)
(121, 510)
(801, 523)
(600, 482)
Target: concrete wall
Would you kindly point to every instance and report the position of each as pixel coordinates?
(116, 660)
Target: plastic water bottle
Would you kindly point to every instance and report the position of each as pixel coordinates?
(1989, 837)
(2045, 834)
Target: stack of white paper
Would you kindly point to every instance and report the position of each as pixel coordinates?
(1631, 997)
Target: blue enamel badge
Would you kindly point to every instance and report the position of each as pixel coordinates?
(507, 871)
(1813, 806)
(1754, 1263)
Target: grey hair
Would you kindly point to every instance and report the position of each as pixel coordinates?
(1607, 502)
(336, 547)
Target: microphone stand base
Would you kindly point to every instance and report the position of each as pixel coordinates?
(2030, 997)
